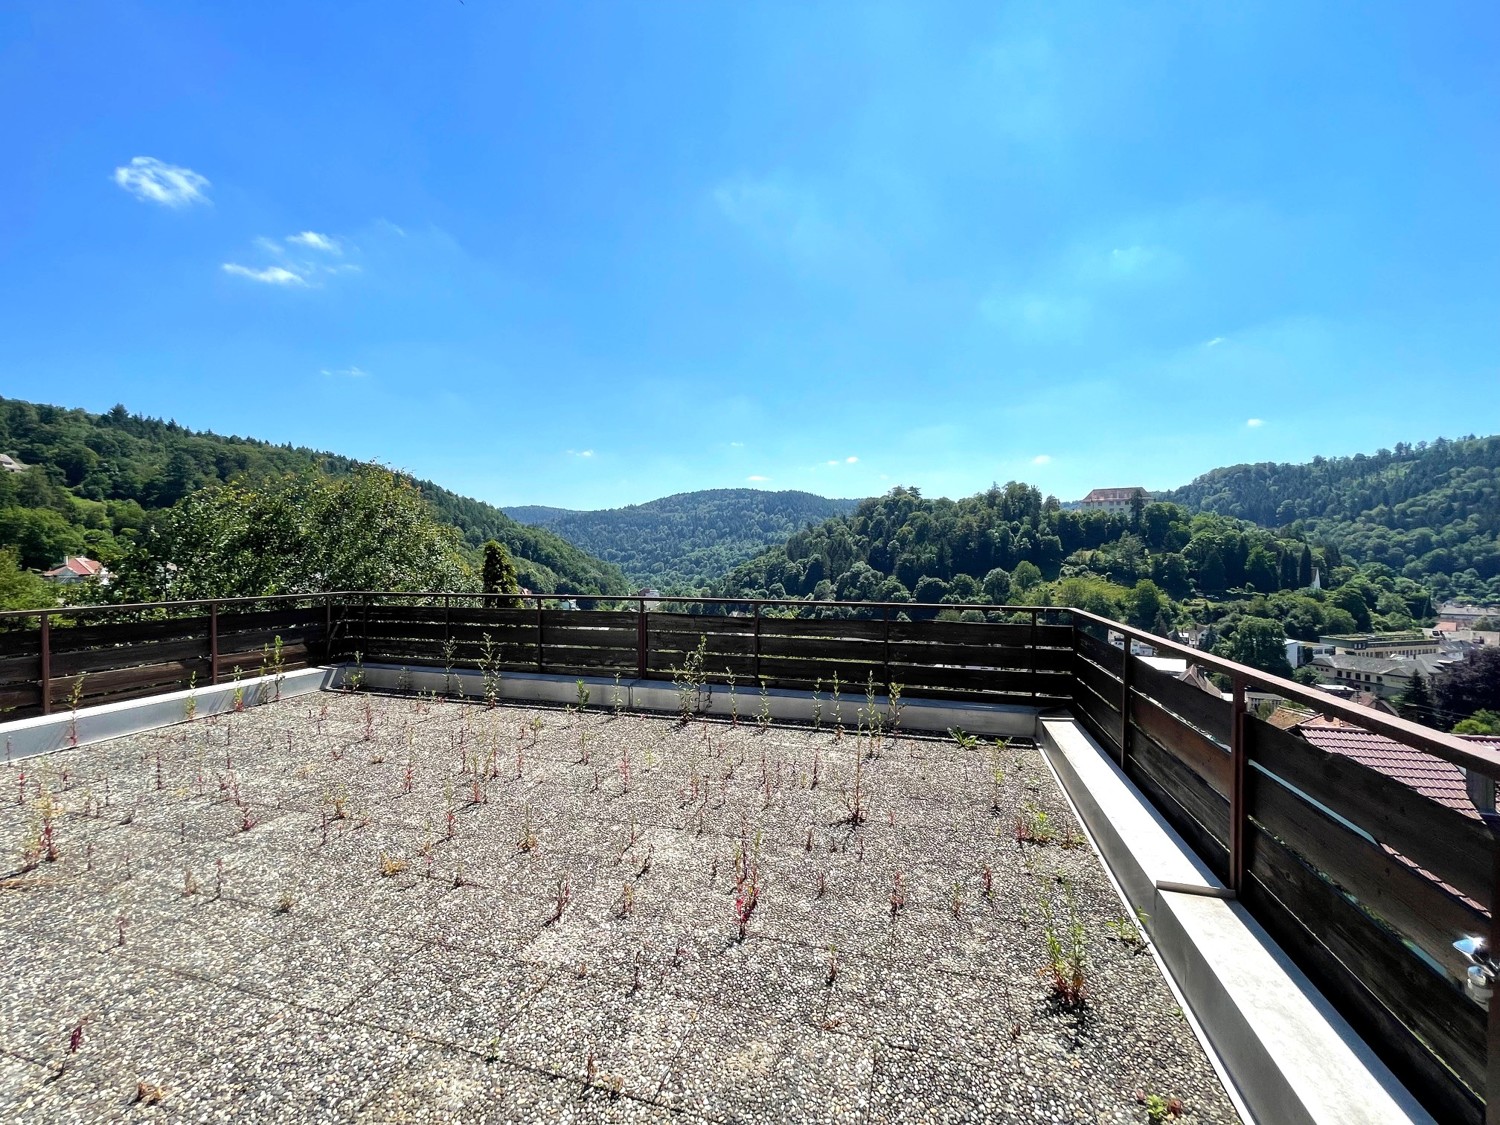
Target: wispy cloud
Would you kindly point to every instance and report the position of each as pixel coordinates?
(736, 445)
(580, 453)
(350, 372)
(757, 479)
(1042, 459)
(1255, 423)
(151, 180)
(1215, 342)
(271, 275)
(850, 460)
(315, 241)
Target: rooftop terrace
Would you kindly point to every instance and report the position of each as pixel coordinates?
(387, 908)
(395, 906)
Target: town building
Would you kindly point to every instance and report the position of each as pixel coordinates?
(1112, 499)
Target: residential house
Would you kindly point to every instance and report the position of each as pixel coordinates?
(76, 568)
(1112, 499)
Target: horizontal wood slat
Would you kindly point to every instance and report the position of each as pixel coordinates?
(1457, 849)
(1196, 751)
(1209, 713)
(1276, 878)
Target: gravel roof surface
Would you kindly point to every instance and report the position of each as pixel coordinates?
(367, 908)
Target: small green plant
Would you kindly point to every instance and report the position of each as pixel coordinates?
(190, 704)
(838, 711)
(403, 681)
(734, 702)
(354, 679)
(273, 663)
(617, 700)
(1067, 959)
(583, 697)
(450, 649)
(239, 690)
(817, 701)
(763, 717)
(75, 697)
(489, 670)
(893, 711)
(1128, 931)
(965, 741)
(1034, 825)
(689, 681)
(1159, 1107)
(870, 718)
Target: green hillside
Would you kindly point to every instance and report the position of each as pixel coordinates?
(95, 482)
(1428, 511)
(688, 541)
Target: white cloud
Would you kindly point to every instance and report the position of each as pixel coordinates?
(1042, 459)
(850, 460)
(1255, 423)
(315, 241)
(580, 453)
(757, 479)
(271, 275)
(1215, 342)
(350, 372)
(149, 179)
(736, 445)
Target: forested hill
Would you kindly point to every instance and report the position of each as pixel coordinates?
(96, 479)
(687, 541)
(1430, 510)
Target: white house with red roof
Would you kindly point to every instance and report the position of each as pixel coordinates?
(76, 568)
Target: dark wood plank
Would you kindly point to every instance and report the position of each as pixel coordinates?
(822, 648)
(982, 679)
(982, 633)
(1204, 843)
(1194, 749)
(1100, 682)
(1413, 904)
(1410, 1060)
(81, 638)
(104, 659)
(985, 656)
(845, 628)
(1457, 849)
(698, 623)
(1111, 659)
(1189, 790)
(1209, 713)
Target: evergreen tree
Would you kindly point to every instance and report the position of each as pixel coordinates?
(499, 576)
(1305, 568)
(1415, 703)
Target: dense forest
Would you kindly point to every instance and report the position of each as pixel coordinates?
(1429, 511)
(1159, 567)
(96, 483)
(685, 542)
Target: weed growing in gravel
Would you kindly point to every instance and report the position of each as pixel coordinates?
(1159, 1107)
(528, 841)
(273, 663)
(391, 865)
(190, 704)
(817, 702)
(355, 679)
(1034, 825)
(560, 899)
(617, 699)
(148, 1093)
(582, 703)
(189, 882)
(74, 698)
(489, 671)
(965, 741)
(1127, 930)
(734, 701)
(239, 691)
(763, 717)
(838, 710)
(856, 800)
(450, 650)
(898, 895)
(1066, 953)
(689, 681)
(893, 711)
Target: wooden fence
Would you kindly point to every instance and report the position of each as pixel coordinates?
(1363, 881)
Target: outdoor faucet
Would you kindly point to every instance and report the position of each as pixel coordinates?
(1479, 982)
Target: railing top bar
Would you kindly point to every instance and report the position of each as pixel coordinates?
(131, 607)
(1449, 747)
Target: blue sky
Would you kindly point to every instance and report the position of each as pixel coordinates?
(588, 255)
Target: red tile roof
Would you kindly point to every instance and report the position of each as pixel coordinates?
(76, 565)
(1428, 775)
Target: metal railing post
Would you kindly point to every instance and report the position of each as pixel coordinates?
(539, 651)
(1237, 814)
(213, 642)
(640, 639)
(757, 644)
(46, 642)
(1031, 655)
